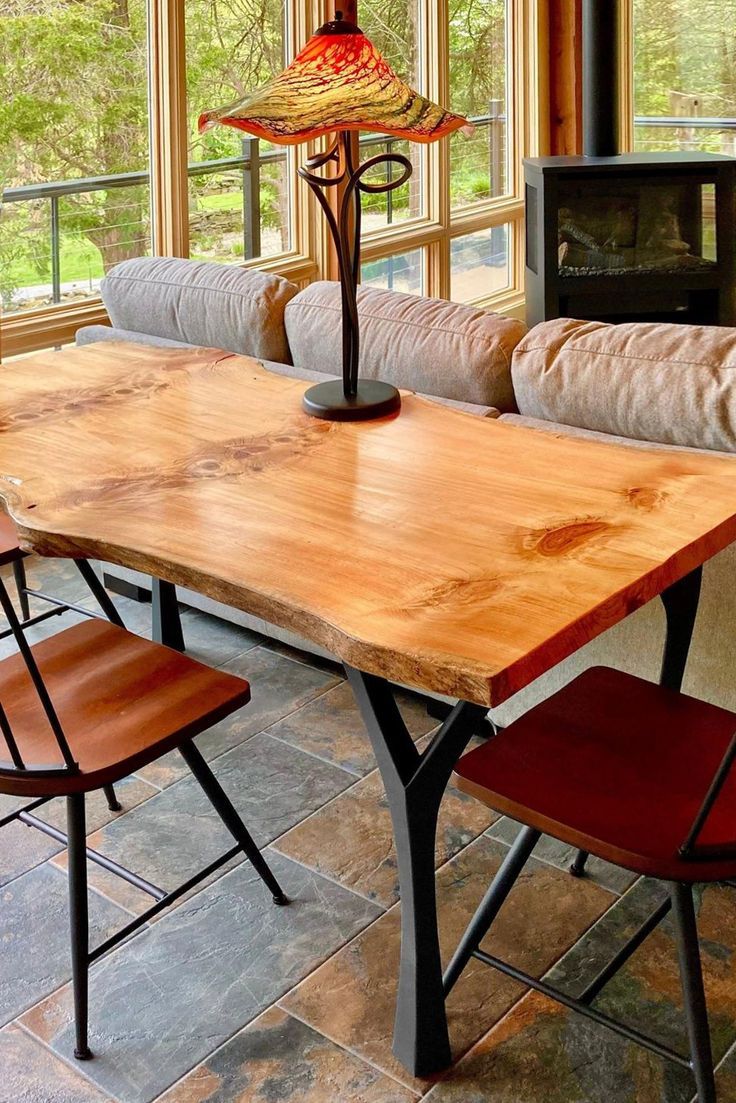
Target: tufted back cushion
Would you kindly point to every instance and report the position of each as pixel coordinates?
(650, 381)
(200, 303)
(426, 345)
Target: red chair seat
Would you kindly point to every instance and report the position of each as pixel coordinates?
(122, 702)
(616, 766)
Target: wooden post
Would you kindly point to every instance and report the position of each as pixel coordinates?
(565, 77)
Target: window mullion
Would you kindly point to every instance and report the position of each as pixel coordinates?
(168, 127)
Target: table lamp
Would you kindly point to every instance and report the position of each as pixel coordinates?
(337, 84)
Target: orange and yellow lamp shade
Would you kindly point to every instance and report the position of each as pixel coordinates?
(339, 81)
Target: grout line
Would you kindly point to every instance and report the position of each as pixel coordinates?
(326, 876)
(311, 815)
(76, 1066)
(355, 1053)
(560, 869)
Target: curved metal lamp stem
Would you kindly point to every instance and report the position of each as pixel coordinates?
(360, 398)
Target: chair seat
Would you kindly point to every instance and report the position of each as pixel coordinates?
(121, 700)
(9, 547)
(616, 766)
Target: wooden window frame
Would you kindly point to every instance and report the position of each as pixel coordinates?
(433, 233)
(309, 257)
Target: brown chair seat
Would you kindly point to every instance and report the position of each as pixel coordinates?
(9, 546)
(121, 700)
(615, 766)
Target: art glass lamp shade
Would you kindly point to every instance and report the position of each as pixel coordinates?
(339, 81)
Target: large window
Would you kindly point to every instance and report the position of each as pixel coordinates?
(240, 202)
(462, 211)
(100, 159)
(684, 69)
(73, 146)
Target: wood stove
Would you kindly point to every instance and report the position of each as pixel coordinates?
(618, 237)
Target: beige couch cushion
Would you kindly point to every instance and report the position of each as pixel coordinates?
(649, 381)
(200, 303)
(318, 377)
(425, 345)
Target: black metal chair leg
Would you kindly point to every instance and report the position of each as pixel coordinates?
(225, 810)
(696, 1011)
(79, 919)
(112, 801)
(577, 866)
(19, 573)
(491, 904)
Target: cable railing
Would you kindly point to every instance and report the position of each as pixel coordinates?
(249, 165)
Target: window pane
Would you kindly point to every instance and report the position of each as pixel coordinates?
(480, 264)
(478, 66)
(395, 29)
(240, 192)
(685, 69)
(399, 272)
(81, 122)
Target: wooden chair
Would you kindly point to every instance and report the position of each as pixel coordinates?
(638, 775)
(80, 711)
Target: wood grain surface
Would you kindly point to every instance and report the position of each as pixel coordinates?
(450, 552)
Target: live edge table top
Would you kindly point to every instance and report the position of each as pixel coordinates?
(446, 551)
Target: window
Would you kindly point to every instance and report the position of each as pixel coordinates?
(100, 159)
(240, 199)
(684, 70)
(73, 147)
(463, 204)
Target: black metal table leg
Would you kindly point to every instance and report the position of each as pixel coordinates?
(166, 621)
(680, 609)
(414, 785)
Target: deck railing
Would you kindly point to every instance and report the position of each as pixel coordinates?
(249, 164)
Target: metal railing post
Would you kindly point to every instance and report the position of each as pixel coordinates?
(389, 178)
(495, 139)
(251, 198)
(55, 251)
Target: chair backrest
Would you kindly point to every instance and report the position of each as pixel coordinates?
(693, 851)
(17, 766)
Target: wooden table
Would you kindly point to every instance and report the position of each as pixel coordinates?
(453, 553)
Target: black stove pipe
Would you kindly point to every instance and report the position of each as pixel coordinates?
(601, 76)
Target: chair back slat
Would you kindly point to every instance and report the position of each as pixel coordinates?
(691, 850)
(69, 762)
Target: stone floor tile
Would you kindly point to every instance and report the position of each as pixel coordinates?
(277, 1058)
(22, 848)
(131, 792)
(726, 1078)
(278, 686)
(351, 839)
(350, 999)
(176, 833)
(560, 854)
(332, 727)
(164, 1001)
(34, 935)
(647, 991)
(214, 641)
(543, 1053)
(31, 1073)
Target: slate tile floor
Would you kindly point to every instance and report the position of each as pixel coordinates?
(226, 999)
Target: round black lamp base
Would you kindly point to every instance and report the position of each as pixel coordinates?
(374, 399)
